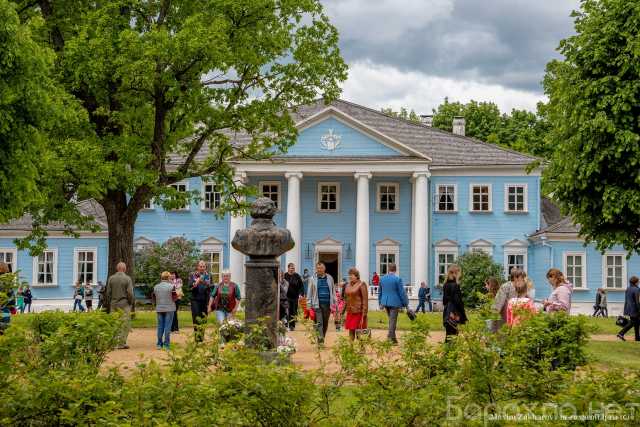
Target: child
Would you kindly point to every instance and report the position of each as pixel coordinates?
(339, 307)
(20, 300)
(521, 303)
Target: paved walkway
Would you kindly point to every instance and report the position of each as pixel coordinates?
(142, 347)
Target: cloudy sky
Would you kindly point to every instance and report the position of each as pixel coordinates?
(413, 53)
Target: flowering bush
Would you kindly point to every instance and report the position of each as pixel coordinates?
(286, 345)
(176, 254)
(231, 330)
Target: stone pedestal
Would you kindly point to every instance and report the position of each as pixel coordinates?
(263, 242)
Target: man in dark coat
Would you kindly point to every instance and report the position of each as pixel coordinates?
(296, 289)
(632, 308)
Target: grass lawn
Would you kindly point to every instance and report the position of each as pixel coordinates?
(377, 320)
(614, 354)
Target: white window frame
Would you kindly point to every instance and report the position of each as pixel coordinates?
(396, 186)
(582, 254)
(14, 253)
(514, 252)
(447, 247)
(319, 196)
(34, 281)
(525, 193)
(387, 247)
(76, 252)
(186, 190)
(490, 190)
(209, 249)
(455, 198)
(203, 204)
(277, 184)
(150, 207)
(624, 270)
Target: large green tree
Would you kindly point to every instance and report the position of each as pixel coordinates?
(166, 85)
(34, 111)
(594, 111)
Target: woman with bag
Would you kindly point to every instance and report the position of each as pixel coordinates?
(357, 305)
(453, 314)
(225, 298)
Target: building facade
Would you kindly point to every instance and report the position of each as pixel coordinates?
(361, 188)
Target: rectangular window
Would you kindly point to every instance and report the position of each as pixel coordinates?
(446, 198)
(212, 197)
(181, 188)
(574, 269)
(615, 270)
(388, 197)
(384, 260)
(481, 198)
(213, 259)
(328, 196)
(86, 262)
(45, 269)
(148, 205)
(515, 261)
(9, 256)
(271, 190)
(445, 259)
(516, 198)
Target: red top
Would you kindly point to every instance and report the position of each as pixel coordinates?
(375, 280)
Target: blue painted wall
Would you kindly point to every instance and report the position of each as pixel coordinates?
(65, 247)
(353, 142)
(497, 226)
(195, 224)
(392, 225)
(552, 255)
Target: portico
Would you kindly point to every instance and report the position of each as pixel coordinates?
(352, 207)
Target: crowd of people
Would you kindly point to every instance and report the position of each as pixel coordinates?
(319, 298)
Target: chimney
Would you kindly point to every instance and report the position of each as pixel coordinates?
(458, 125)
(426, 119)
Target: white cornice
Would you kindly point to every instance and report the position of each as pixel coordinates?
(19, 234)
(333, 167)
(346, 119)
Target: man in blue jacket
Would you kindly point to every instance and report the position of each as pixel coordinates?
(393, 298)
(632, 308)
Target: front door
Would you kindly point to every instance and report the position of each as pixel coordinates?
(330, 260)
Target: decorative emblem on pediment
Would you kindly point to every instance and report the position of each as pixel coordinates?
(330, 141)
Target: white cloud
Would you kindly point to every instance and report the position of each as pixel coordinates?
(380, 86)
(384, 20)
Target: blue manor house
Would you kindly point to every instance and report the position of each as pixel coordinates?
(362, 188)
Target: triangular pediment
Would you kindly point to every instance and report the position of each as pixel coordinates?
(478, 243)
(328, 241)
(446, 243)
(387, 242)
(515, 243)
(211, 241)
(331, 132)
(143, 241)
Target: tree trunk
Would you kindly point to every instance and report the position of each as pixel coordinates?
(121, 225)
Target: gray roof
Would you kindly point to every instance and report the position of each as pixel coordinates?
(88, 207)
(552, 220)
(444, 148)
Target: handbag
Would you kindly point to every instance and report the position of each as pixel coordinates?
(411, 314)
(622, 321)
(174, 295)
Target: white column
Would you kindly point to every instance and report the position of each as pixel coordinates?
(236, 258)
(420, 228)
(362, 225)
(293, 217)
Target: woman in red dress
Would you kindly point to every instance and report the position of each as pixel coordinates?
(357, 303)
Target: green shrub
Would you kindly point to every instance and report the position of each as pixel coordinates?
(476, 267)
